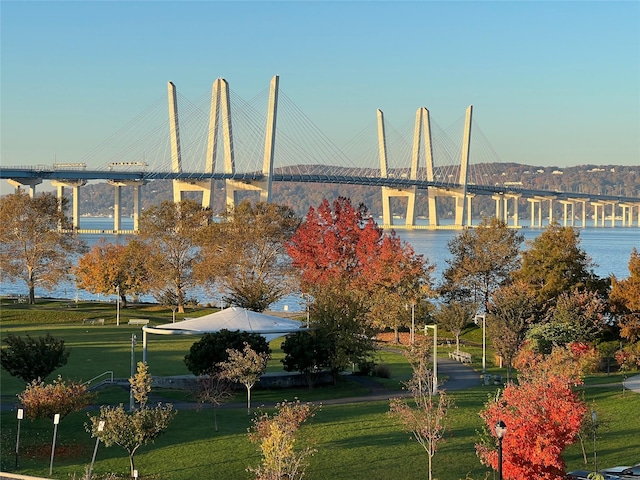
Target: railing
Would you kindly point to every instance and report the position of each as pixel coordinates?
(109, 373)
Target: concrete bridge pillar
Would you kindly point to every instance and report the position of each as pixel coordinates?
(532, 204)
(613, 213)
(516, 198)
(565, 216)
(31, 183)
(583, 202)
(137, 203)
(75, 185)
(499, 199)
(596, 206)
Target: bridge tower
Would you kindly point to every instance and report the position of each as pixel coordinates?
(389, 192)
(220, 117)
(263, 185)
(422, 134)
(180, 186)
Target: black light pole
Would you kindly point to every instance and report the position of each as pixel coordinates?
(501, 429)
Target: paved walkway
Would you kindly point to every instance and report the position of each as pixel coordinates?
(633, 383)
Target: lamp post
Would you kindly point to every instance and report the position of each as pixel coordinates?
(133, 368)
(594, 418)
(484, 340)
(118, 305)
(435, 356)
(412, 334)
(501, 430)
(413, 323)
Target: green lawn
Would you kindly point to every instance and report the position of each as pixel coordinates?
(354, 441)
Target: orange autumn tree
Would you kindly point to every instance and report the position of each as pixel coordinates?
(111, 269)
(625, 299)
(543, 415)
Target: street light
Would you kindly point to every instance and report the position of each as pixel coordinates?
(133, 368)
(483, 316)
(501, 430)
(594, 417)
(118, 305)
(412, 335)
(435, 356)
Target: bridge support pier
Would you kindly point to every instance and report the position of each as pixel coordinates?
(565, 218)
(502, 210)
(137, 203)
(596, 219)
(31, 183)
(75, 185)
(533, 202)
(573, 202)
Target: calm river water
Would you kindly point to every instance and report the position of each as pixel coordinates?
(609, 248)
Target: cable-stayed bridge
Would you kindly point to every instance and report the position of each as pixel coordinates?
(251, 144)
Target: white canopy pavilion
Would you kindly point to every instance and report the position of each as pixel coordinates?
(233, 318)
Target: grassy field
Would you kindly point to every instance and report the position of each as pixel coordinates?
(354, 440)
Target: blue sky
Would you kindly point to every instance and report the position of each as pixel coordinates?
(552, 83)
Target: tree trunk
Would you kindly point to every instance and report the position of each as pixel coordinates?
(32, 288)
(248, 399)
(396, 335)
(131, 463)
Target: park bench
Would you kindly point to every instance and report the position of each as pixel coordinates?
(463, 357)
(93, 321)
(138, 321)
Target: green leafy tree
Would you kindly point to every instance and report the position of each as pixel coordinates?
(337, 317)
(245, 255)
(37, 241)
(245, 367)
(132, 430)
(554, 263)
(482, 259)
(171, 232)
(33, 358)
(584, 311)
(307, 352)
(277, 436)
(454, 316)
(44, 400)
(205, 355)
(426, 419)
(511, 312)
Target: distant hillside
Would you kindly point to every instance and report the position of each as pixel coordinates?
(97, 199)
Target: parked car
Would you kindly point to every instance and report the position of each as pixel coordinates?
(625, 472)
(584, 475)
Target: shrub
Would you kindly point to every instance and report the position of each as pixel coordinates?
(382, 370)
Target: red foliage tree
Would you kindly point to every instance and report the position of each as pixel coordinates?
(543, 416)
(332, 244)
